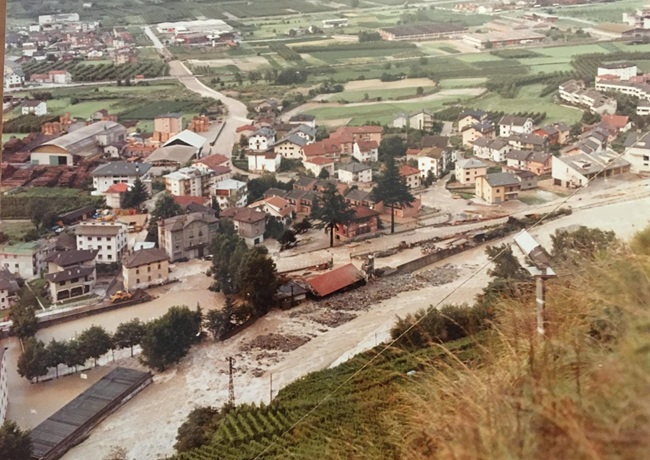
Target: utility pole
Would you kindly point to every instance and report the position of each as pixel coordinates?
(231, 384)
(540, 269)
(270, 387)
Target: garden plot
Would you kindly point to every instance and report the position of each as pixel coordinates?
(244, 64)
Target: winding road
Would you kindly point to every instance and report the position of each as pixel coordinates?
(236, 110)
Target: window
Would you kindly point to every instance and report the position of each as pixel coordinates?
(158, 266)
(109, 257)
(109, 247)
(137, 280)
(149, 269)
(137, 271)
(149, 278)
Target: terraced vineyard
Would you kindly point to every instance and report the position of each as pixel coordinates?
(357, 407)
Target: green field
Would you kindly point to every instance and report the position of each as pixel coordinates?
(381, 112)
(604, 12)
(528, 100)
(385, 94)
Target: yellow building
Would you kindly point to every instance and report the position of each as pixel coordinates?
(498, 187)
(144, 268)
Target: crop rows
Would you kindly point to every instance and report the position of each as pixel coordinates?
(285, 52)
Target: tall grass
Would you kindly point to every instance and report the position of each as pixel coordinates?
(579, 393)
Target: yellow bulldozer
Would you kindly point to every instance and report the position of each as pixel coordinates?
(121, 296)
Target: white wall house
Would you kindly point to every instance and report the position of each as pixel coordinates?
(109, 239)
(38, 108)
(623, 70)
(26, 260)
(262, 139)
(365, 151)
(638, 155)
(231, 193)
(355, 172)
(120, 172)
(264, 161)
(511, 124)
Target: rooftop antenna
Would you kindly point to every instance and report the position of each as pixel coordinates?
(540, 269)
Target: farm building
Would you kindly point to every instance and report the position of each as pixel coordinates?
(69, 425)
(213, 26)
(345, 277)
(498, 39)
(83, 144)
(427, 31)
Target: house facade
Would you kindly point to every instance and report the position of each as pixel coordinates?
(71, 273)
(144, 268)
(38, 108)
(120, 172)
(187, 236)
(411, 176)
(25, 260)
(365, 151)
(109, 239)
(510, 124)
(190, 181)
(467, 171)
(264, 161)
(354, 172)
(365, 220)
(498, 187)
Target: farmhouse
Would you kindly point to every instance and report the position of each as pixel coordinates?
(83, 144)
(38, 108)
(498, 39)
(428, 31)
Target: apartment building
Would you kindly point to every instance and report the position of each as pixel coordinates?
(144, 268)
(109, 239)
(190, 181)
(187, 236)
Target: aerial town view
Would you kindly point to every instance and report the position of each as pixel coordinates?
(321, 229)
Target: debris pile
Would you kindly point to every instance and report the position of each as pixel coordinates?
(276, 342)
(332, 318)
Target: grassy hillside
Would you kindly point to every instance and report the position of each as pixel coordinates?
(501, 393)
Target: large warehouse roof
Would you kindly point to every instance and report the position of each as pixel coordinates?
(78, 142)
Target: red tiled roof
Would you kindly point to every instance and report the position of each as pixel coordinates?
(219, 170)
(361, 212)
(617, 121)
(213, 161)
(249, 215)
(320, 161)
(413, 151)
(406, 170)
(365, 146)
(320, 149)
(117, 188)
(245, 128)
(335, 280)
(186, 200)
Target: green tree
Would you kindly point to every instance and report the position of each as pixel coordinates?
(219, 322)
(15, 444)
(170, 337)
(165, 208)
(392, 190)
(582, 244)
(32, 364)
(129, 334)
(94, 342)
(228, 250)
(258, 281)
(288, 239)
(254, 76)
(135, 196)
(23, 317)
(419, 91)
(324, 174)
(56, 354)
(199, 427)
(303, 226)
(330, 210)
(73, 355)
(391, 147)
(37, 211)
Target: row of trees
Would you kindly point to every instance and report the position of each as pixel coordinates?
(164, 341)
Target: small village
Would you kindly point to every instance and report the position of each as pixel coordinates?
(271, 211)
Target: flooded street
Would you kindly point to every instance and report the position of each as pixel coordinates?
(30, 404)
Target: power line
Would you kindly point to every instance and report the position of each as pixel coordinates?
(417, 321)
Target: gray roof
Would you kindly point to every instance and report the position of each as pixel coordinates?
(8, 282)
(186, 137)
(635, 138)
(303, 117)
(294, 139)
(353, 167)
(121, 168)
(308, 130)
(73, 257)
(144, 257)
(512, 120)
(498, 144)
(539, 157)
(182, 221)
(180, 154)
(83, 141)
(357, 195)
(593, 163)
(98, 229)
(482, 142)
(519, 155)
(69, 273)
(476, 114)
(471, 163)
(502, 179)
(74, 419)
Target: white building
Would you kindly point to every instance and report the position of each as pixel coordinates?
(120, 172)
(638, 155)
(262, 139)
(317, 164)
(491, 149)
(60, 77)
(365, 151)
(622, 70)
(290, 146)
(431, 161)
(264, 161)
(26, 260)
(13, 80)
(511, 124)
(190, 181)
(354, 172)
(576, 170)
(231, 193)
(38, 108)
(109, 239)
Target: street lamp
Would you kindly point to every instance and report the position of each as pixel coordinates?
(540, 269)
